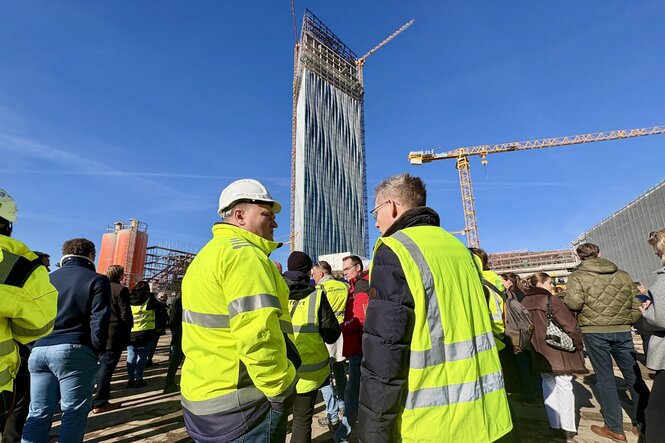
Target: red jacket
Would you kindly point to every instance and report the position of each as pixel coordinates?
(354, 315)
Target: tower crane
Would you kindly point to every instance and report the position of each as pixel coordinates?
(461, 156)
(360, 63)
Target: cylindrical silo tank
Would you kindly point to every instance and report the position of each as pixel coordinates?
(107, 252)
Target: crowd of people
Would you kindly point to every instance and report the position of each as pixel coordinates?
(424, 345)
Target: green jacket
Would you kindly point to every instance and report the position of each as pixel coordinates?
(604, 295)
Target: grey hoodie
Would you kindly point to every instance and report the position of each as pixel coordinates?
(653, 322)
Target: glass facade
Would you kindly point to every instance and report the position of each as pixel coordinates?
(623, 236)
(329, 192)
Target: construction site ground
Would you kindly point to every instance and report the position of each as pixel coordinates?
(148, 415)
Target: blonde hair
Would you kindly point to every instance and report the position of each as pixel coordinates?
(657, 241)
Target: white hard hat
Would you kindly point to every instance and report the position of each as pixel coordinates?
(246, 189)
(7, 206)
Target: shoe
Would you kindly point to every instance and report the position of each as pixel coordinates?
(324, 423)
(140, 383)
(569, 435)
(108, 407)
(169, 389)
(130, 384)
(636, 430)
(605, 432)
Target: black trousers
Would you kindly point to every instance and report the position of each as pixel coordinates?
(13, 428)
(655, 411)
(303, 411)
(176, 358)
(108, 363)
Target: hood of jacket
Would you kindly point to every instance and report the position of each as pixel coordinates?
(598, 266)
(418, 216)
(137, 298)
(299, 284)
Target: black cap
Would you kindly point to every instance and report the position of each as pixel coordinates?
(299, 261)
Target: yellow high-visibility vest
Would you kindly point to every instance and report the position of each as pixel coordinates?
(144, 318)
(455, 383)
(337, 293)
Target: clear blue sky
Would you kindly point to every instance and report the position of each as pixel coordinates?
(112, 110)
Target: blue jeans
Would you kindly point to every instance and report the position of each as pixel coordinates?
(351, 400)
(272, 429)
(333, 397)
(601, 347)
(137, 357)
(60, 372)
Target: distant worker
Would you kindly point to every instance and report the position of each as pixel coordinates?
(352, 328)
(337, 292)
(144, 307)
(45, 259)
(239, 375)
(314, 326)
(494, 284)
(63, 365)
(604, 297)
(431, 370)
(27, 312)
(120, 326)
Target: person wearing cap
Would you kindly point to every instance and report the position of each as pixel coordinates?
(239, 376)
(28, 307)
(314, 326)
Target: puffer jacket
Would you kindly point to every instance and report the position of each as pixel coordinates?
(603, 295)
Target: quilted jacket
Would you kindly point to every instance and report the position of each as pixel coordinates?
(604, 295)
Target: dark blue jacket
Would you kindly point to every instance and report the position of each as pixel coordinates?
(84, 299)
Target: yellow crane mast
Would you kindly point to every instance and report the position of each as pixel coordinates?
(461, 156)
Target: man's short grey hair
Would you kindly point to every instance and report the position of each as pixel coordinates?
(405, 189)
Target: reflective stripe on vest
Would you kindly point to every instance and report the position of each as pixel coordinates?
(5, 378)
(315, 359)
(223, 403)
(252, 303)
(440, 352)
(15, 269)
(219, 321)
(7, 347)
(32, 332)
(144, 319)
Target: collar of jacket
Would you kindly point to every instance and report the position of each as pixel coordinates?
(364, 275)
(537, 291)
(267, 246)
(299, 284)
(418, 216)
(325, 278)
(77, 260)
(598, 265)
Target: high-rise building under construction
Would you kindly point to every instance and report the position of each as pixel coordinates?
(329, 186)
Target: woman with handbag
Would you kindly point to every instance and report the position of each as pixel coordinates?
(556, 349)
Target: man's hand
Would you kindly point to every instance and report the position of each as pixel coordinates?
(645, 306)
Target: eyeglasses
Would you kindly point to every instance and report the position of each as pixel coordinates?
(348, 267)
(375, 210)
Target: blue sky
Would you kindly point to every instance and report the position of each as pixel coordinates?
(112, 110)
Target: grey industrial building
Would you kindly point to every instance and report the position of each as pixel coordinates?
(328, 187)
(622, 237)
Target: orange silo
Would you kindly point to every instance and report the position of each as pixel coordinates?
(125, 245)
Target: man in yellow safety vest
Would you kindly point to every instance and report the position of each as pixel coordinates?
(431, 370)
(239, 375)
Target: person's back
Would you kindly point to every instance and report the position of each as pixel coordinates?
(604, 295)
(68, 356)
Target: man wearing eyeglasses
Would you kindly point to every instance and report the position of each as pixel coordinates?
(431, 370)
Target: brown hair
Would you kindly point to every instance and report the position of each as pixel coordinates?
(484, 258)
(78, 246)
(115, 273)
(405, 189)
(657, 242)
(515, 279)
(355, 260)
(533, 280)
(587, 250)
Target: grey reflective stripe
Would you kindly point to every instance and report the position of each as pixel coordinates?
(223, 403)
(252, 303)
(431, 300)
(5, 377)
(338, 313)
(27, 332)
(440, 352)
(7, 347)
(286, 327)
(306, 329)
(498, 315)
(288, 392)
(454, 394)
(315, 366)
(452, 352)
(6, 265)
(206, 320)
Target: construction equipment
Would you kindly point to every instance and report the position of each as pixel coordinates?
(461, 156)
(361, 61)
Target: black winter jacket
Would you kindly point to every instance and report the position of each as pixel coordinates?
(120, 323)
(299, 288)
(387, 337)
(84, 299)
